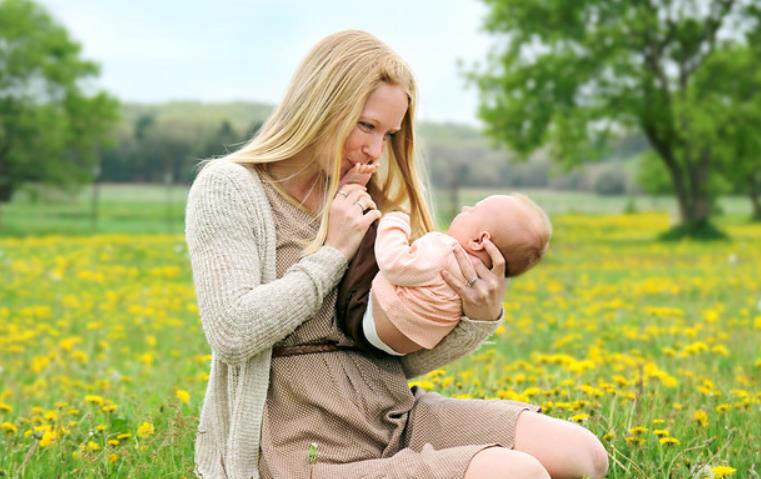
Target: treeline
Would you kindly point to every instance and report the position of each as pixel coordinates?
(163, 143)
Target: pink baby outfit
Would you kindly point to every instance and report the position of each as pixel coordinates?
(409, 288)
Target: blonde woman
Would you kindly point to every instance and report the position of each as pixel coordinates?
(270, 229)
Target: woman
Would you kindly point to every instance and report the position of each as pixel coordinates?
(270, 229)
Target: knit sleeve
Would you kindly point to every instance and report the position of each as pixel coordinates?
(461, 341)
(242, 317)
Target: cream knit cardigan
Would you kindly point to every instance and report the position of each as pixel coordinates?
(244, 311)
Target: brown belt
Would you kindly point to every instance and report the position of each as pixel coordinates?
(280, 351)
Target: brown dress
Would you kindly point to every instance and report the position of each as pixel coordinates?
(358, 409)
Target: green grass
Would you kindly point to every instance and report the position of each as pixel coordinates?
(625, 334)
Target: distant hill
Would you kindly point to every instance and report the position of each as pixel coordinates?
(455, 153)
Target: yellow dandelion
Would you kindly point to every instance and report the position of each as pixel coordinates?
(92, 446)
(124, 435)
(581, 417)
(638, 440)
(100, 427)
(661, 432)
(48, 438)
(669, 440)
(5, 407)
(113, 442)
(183, 396)
(722, 471)
(113, 458)
(701, 417)
(94, 399)
(637, 430)
(722, 407)
(8, 428)
(145, 430)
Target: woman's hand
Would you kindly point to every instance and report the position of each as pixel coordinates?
(351, 213)
(482, 294)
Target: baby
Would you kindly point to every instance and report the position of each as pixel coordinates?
(409, 306)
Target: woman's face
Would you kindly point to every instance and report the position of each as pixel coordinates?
(380, 119)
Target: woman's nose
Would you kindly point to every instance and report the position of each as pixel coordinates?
(373, 148)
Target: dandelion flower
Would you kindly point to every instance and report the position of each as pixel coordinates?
(94, 399)
(581, 417)
(8, 428)
(48, 438)
(722, 471)
(145, 430)
(183, 396)
(668, 440)
(701, 417)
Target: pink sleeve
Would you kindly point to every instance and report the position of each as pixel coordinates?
(401, 263)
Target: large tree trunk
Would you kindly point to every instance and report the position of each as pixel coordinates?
(754, 193)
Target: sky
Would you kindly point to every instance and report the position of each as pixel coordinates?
(155, 51)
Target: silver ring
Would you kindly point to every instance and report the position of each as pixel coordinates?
(472, 282)
(361, 207)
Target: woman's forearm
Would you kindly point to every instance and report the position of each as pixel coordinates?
(461, 341)
(241, 317)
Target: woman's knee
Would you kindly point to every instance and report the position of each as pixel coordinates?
(565, 449)
(502, 463)
(598, 456)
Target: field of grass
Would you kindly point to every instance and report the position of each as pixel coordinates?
(651, 345)
(148, 208)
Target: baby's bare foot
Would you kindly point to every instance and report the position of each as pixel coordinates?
(359, 174)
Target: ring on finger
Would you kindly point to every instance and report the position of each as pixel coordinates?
(361, 206)
(343, 194)
(472, 282)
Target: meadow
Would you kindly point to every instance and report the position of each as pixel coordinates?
(654, 346)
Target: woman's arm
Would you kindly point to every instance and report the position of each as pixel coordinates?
(240, 316)
(461, 341)
(481, 300)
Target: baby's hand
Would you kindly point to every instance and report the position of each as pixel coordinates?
(359, 175)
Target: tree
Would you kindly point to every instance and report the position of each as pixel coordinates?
(738, 71)
(50, 127)
(575, 74)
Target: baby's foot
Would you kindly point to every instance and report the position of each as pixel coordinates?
(359, 175)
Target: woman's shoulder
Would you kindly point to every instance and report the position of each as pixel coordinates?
(227, 168)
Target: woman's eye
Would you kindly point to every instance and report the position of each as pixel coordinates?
(366, 126)
(389, 136)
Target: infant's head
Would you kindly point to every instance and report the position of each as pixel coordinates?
(515, 224)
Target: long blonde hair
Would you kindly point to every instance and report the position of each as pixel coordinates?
(326, 97)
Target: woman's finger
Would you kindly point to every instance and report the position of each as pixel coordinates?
(459, 286)
(482, 271)
(497, 260)
(465, 265)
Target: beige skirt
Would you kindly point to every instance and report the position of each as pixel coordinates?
(368, 424)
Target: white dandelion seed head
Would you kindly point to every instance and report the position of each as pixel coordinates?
(703, 472)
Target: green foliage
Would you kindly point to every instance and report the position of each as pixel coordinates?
(50, 127)
(577, 75)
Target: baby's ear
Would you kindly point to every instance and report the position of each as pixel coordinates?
(477, 243)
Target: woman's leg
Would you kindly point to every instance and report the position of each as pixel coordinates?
(565, 449)
(502, 463)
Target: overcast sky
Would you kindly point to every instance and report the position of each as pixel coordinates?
(154, 51)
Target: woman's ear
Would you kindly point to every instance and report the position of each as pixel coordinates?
(477, 243)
